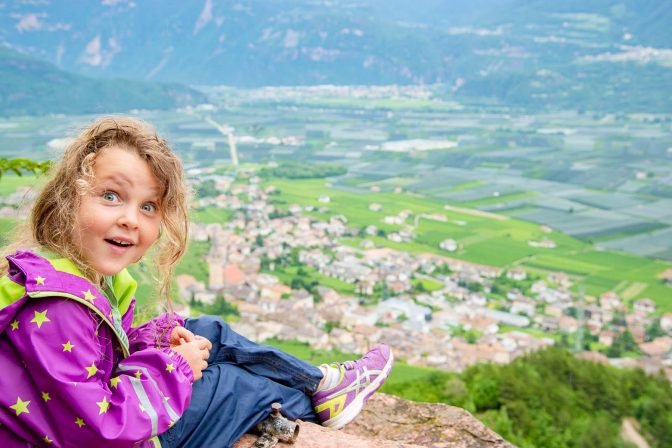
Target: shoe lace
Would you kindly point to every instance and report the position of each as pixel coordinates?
(352, 365)
(349, 365)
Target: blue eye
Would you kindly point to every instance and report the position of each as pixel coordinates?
(110, 196)
(150, 207)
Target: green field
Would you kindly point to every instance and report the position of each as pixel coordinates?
(427, 284)
(353, 181)
(9, 182)
(467, 185)
(486, 240)
(193, 262)
(147, 293)
(211, 215)
(7, 225)
(561, 262)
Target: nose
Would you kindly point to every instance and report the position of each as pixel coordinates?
(128, 218)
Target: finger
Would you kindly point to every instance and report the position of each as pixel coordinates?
(182, 341)
(204, 365)
(203, 344)
(205, 354)
(209, 342)
(184, 333)
(188, 335)
(198, 337)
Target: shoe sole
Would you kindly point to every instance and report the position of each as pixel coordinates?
(353, 410)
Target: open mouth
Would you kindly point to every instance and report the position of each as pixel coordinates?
(119, 243)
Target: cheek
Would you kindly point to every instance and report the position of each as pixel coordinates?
(89, 216)
(83, 226)
(151, 233)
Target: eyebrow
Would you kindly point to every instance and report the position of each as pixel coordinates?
(122, 180)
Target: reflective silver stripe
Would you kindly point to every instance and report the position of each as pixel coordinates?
(144, 399)
(171, 412)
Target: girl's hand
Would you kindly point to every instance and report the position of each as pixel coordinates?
(180, 335)
(196, 353)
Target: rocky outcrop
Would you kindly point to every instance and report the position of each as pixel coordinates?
(391, 422)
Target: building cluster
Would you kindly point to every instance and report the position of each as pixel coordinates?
(255, 257)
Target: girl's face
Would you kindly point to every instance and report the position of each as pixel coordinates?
(120, 218)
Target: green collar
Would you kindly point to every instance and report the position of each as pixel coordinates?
(119, 289)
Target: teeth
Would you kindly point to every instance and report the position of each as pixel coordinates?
(120, 243)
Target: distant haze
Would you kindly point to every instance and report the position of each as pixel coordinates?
(598, 54)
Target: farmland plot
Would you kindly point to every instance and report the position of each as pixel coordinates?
(586, 223)
(439, 181)
(517, 153)
(647, 244)
(513, 205)
(381, 169)
(611, 201)
(660, 210)
(507, 200)
(484, 192)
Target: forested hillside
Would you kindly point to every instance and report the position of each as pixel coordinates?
(33, 87)
(552, 399)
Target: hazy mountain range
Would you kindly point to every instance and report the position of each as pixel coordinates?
(598, 54)
(33, 87)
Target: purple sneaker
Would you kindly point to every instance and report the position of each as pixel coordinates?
(339, 405)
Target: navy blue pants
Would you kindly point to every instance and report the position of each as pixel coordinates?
(241, 382)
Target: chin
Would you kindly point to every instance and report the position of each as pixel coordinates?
(110, 270)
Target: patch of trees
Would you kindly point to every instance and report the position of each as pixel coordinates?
(503, 284)
(207, 189)
(654, 330)
(471, 286)
(623, 344)
(302, 281)
(220, 307)
(552, 399)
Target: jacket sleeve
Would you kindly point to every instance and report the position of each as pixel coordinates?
(154, 333)
(87, 400)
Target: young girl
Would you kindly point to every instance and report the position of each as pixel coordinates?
(74, 371)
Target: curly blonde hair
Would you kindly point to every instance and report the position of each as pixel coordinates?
(50, 225)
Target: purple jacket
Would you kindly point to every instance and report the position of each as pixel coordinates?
(68, 378)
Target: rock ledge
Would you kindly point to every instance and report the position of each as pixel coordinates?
(392, 422)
